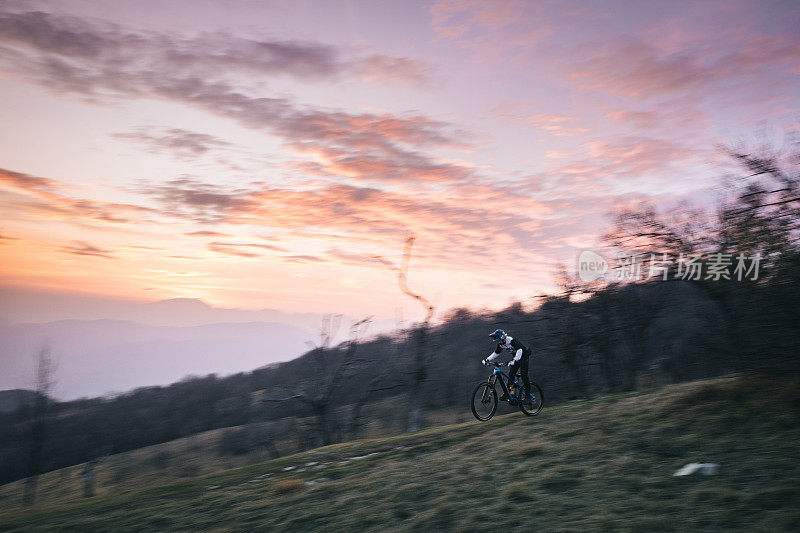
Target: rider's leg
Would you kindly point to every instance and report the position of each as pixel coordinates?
(513, 366)
(512, 372)
(524, 370)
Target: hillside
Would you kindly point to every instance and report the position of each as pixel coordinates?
(613, 342)
(603, 464)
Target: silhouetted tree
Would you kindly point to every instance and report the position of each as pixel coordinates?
(43, 384)
(381, 381)
(88, 477)
(330, 368)
(419, 370)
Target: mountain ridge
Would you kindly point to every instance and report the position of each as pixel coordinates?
(103, 356)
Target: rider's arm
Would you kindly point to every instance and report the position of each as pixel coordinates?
(495, 353)
(518, 355)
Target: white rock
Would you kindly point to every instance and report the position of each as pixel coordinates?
(359, 457)
(707, 469)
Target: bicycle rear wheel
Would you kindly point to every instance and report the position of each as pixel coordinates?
(534, 401)
(484, 401)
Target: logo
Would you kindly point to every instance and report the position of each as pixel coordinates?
(591, 266)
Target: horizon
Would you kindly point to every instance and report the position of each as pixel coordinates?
(106, 325)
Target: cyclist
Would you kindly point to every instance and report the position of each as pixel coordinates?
(520, 360)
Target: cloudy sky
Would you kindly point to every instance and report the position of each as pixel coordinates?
(259, 155)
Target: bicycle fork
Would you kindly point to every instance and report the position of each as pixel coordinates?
(486, 391)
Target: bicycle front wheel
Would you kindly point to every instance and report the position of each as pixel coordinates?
(532, 404)
(484, 401)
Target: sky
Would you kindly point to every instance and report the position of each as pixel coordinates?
(261, 154)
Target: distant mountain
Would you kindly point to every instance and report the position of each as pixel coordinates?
(104, 345)
(190, 311)
(11, 400)
(36, 306)
(96, 357)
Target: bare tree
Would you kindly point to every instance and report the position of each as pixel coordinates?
(419, 372)
(603, 328)
(43, 385)
(568, 329)
(763, 216)
(329, 374)
(381, 382)
(88, 476)
(763, 219)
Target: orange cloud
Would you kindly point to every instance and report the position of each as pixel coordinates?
(49, 203)
(83, 248)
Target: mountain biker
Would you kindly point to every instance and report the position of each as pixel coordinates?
(520, 360)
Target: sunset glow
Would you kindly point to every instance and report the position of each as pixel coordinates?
(260, 155)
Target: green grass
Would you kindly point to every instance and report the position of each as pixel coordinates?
(601, 465)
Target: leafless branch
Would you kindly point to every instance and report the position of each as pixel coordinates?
(760, 206)
(402, 276)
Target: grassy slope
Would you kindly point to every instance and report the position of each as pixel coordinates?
(197, 455)
(605, 464)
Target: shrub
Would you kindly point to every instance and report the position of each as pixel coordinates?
(160, 460)
(286, 486)
(189, 470)
(519, 492)
(235, 441)
(532, 450)
(778, 497)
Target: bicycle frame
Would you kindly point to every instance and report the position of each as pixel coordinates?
(494, 378)
(529, 399)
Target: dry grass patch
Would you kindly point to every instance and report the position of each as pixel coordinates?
(532, 450)
(287, 486)
(519, 492)
(713, 495)
(561, 478)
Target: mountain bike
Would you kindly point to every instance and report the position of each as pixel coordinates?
(484, 397)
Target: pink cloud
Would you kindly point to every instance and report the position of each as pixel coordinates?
(553, 123)
(634, 68)
(470, 20)
(383, 69)
(394, 166)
